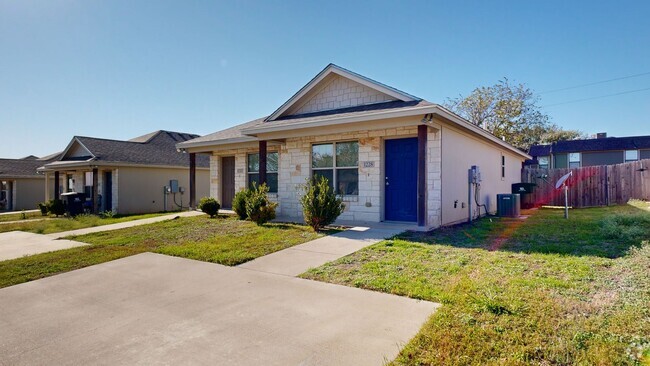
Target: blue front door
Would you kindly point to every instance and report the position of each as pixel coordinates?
(401, 179)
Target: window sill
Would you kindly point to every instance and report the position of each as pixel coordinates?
(349, 198)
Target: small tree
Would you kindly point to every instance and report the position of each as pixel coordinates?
(320, 206)
(210, 206)
(56, 207)
(258, 206)
(239, 203)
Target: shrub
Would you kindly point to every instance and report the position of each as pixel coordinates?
(107, 214)
(239, 203)
(43, 206)
(56, 207)
(258, 207)
(320, 206)
(210, 206)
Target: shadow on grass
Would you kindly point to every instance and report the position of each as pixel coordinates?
(602, 232)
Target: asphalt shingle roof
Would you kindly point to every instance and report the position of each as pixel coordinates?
(158, 148)
(25, 167)
(603, 144)
(236, 131)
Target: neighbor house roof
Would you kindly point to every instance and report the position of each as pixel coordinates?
(155, 149)
(601, 144)
(25, 167)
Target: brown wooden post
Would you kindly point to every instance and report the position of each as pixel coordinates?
(56, 185)
(262, 162)
(95, 185)
(192, 181)
(422, 174)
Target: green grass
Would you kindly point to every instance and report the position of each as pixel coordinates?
(60, 224)
(223, 240)
(544, 291)
(19, 216)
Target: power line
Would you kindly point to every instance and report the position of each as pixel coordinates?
(594, 83)
(598, 97)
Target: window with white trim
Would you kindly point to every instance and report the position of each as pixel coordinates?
(574, 160)
(339, 163)
(631, 155)
(543, 161)
(271, 170)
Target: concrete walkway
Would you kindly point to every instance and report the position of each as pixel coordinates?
(298, 259)
(16, 244)
(152, 309)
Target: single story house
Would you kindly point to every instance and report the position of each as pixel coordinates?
(391, 156)
(21, 187)
(602, 150)
(141, 175)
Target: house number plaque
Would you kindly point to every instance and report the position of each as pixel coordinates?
(368, 164)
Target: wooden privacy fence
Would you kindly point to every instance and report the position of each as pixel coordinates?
(591, 186)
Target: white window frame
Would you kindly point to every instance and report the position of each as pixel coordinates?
(636, 152)
(334, 168)
(548, 161)
(571, 160)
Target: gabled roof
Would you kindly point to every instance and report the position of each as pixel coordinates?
(156, 149)
(397, 104)
(602, 144)
(335, 69)
(22, 168)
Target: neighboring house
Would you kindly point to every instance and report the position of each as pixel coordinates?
(21, 187)
(144, 174)
(602, 150)
(390, 155)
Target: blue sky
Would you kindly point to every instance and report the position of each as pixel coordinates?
(119, 69)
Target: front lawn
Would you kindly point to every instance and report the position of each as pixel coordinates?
(223, 240)
(541, 291)
(59, 224)
(17, 216)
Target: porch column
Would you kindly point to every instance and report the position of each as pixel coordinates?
(422, 174)
(192, 181)
(262, 162)
(56, 185)
(95, 198)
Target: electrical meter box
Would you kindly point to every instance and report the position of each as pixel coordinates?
(474, 174)
(173, 185)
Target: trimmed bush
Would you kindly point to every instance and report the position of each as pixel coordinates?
(43, 207)
(239, 203)
(210, 206)
(56, 207)
(258, 207)
(320, 206)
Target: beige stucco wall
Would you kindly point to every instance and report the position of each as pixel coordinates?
(460, 151)
(28, 193)
(140, 190)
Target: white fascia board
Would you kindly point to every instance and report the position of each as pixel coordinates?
(198, 144)
(477, 130)
(341, 120)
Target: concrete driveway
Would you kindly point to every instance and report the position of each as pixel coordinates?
(154, 309)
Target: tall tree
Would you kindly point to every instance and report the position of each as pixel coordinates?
(509, 111)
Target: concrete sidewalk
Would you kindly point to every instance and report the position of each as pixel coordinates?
(16, 244)
(152, 309)
(122, 225)
(298, 259)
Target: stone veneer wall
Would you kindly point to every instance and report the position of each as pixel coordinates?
(295, 168)
(341, 93)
